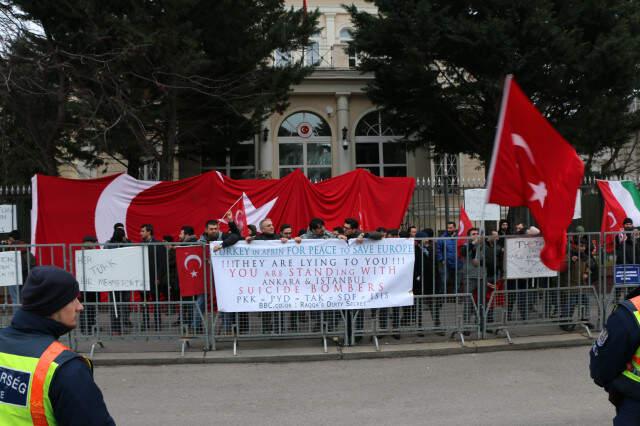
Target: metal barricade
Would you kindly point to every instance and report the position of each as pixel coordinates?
(237, 326)
(16, 261)
(158, 313)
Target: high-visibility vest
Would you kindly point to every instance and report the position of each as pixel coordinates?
(25, 381)
(633, 366)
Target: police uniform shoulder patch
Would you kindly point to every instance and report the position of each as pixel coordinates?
(602, 338)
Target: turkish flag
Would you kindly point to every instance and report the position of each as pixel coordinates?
(464, 224)
(239, 215)
(191, 268)
(534, 166)
(610, 224)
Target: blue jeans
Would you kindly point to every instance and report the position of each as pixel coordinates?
(199, 309)
(14, 293)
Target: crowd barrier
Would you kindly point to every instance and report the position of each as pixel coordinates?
(455, 296)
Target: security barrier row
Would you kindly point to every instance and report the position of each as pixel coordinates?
(456, 295)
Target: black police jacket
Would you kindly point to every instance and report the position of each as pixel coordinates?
(74, 396)
(612, 351)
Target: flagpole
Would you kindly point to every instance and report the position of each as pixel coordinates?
(488, 182)
(496, 141)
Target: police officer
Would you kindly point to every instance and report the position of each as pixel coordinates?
(42, 382)
(615, 360)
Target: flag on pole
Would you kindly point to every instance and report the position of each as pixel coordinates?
(464, 224)
(621, 201)
(304, 6)
(239, 216)
(533, 166)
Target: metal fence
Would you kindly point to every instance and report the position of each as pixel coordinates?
(437, 201)
(459, 293)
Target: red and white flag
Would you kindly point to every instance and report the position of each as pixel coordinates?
(464, 224)
(191, 269)
(239, 216)
(533, 166)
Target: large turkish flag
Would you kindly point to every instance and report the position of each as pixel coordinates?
(534, 166)
(65, 210)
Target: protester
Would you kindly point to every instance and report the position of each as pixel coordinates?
(120, 314)
(90, 299)
(286, 231)
(212, 233)
(157, 256)
(25, 262)
(447, 256)
(582, 269)
(474, 269)
(316, 231)
(267, 233)
(186, 235)
(412, 230)
(426, 282)
(60, 382)
(627, 244)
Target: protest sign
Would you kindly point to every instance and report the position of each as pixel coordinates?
(313, 275)
(627, 274)
(522, 258)
(10, 268)
(474, 202)
(8, 218)
(121, 269)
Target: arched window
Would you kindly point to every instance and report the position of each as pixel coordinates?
(377, 149)
(304, 142)
(345, 38)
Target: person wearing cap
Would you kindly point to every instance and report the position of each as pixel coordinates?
(42, 382)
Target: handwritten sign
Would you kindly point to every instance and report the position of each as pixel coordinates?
(522, 258)
(10, 268)
(474, 201)
(121, 269)
(8, 218)
(313, 275)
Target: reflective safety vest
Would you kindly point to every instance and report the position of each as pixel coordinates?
(633, 367)
(24, 385)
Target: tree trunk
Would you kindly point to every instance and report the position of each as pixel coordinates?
(169, 142)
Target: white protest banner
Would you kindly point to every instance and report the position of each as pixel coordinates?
(522, 258)
(8, 218)
(313, 275)
(121, 269)
(474, 201)
(10, 268)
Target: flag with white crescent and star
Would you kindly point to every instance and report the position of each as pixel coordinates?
(533, 166)
(191, 266)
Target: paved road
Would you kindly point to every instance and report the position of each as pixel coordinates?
(546, 387)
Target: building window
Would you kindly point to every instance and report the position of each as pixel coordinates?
(345, 38)
(446, 170)
(282, 58)
(304, 142)
(377, 147)
(237, 161)
(312, 54)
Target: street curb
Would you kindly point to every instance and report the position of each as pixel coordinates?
(346, 354)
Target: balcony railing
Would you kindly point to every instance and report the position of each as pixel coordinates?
(319, 55)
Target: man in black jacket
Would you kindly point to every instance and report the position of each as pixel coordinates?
(628, 244)
(29, 349)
